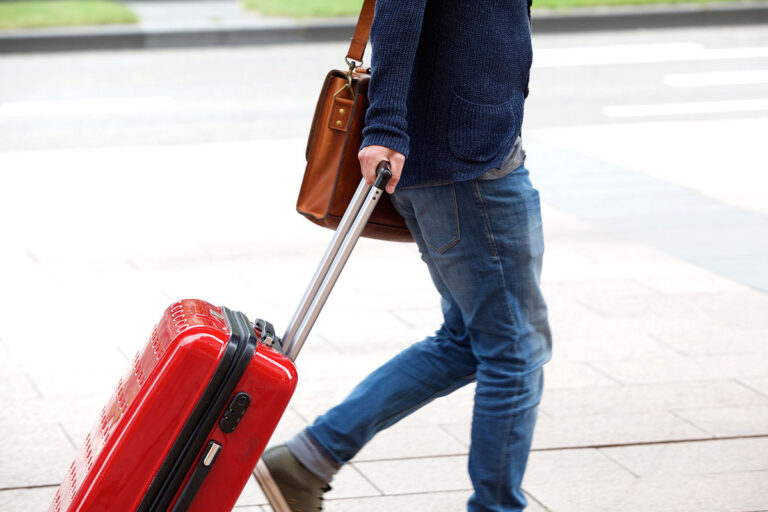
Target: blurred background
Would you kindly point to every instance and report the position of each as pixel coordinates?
(152, 150)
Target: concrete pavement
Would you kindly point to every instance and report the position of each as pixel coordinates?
(657, 396)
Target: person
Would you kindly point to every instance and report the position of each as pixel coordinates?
(447, 90)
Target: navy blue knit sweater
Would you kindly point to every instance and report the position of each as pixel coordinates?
(447, 85)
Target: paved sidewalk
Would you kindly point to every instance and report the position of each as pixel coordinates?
(656, 400)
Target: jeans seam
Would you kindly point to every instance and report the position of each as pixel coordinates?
(505, 458)
(496, 258)
(486, 219)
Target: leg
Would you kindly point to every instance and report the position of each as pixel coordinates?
(492, 270)
(429, 369)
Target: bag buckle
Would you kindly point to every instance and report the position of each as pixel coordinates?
(352, 63)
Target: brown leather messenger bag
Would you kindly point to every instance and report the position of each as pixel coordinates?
(333, 170)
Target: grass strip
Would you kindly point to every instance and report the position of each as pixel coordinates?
(305, 8)
(58, 13)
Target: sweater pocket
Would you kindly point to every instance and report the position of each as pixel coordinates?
(477, 132)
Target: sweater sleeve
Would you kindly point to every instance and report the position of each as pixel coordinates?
(394, 38)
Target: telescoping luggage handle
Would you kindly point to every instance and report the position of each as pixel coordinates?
(347, 233)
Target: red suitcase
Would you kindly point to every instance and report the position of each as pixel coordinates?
(191, 417)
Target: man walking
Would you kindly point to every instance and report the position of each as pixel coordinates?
(449, 78)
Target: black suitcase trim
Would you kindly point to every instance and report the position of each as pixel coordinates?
(182, 455)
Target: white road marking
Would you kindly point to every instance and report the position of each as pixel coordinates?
(150, 105)
(703, 107)
(86, 106)
(749, 77)
(638, 54)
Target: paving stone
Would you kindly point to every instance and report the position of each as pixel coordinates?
(585, 291)
(613, 429)
(717, 456)
(742, 492)
(62, 374)
(315, 397)
(461, 432)
(746, 308)
(354, 332)
(737, 492)
(350, 482)
(417, 475)
(403, 441)
(729, 421)
(38, 454)
(563, 375)
(251, 495)
(665, 327)
(631, 347)
(743, 309)
(26, 411)
(8, 364)
(455, 501)
(559, 224)
(686, 368)
(704, 343)
(453, 408)
(430, 317)
(574, 480)
(759, 385)
(17, 386)
(351, 366)
(23, 500)
(709, 283)
(597, 430)
(648, 397)
(590, 325)
(534, 506)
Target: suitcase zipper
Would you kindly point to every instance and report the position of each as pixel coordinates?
(198, 475)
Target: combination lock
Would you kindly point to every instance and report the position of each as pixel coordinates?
(234, 412)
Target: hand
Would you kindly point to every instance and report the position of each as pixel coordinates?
(371, 156)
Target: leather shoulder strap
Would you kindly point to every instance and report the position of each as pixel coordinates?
(362, 31)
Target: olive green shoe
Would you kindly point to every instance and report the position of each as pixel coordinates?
(289, 486)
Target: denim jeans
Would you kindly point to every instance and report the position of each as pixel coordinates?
(482, 242)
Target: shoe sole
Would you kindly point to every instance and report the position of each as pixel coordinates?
(270, 488)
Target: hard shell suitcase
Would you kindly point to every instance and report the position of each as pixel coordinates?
(191, 417)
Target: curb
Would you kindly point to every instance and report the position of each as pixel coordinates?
(544, 21)
(133, 37)
(650, 17)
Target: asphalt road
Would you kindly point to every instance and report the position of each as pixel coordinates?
(223, 94)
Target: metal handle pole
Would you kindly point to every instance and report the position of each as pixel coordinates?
(334, 270)
(322, 269)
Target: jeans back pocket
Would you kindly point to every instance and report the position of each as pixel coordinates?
(436, 212)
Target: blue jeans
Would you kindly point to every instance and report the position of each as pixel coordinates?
(482, 242)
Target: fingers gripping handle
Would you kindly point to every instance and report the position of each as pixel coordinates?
(347, 233)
